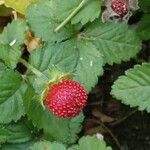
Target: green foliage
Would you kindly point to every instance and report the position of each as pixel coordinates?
(133, 88)
(42, 21)
(14, 133)
(10, 42)
(11, 91)
(116, 42)
(91, 143)
(57, 129)
(47, 146)
(143, 28)
(88, 13)
(14, 31)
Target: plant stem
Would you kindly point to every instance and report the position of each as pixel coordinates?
(30, 67)
(70, 16)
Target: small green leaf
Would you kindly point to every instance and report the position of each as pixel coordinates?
(45, 145)
(14, 133)
(9, 55)
(11, 91)
(14, 33)
(143, 29)
(116, 42)
(133, 88)
(41, 18)
(56, 129)
(91, 143)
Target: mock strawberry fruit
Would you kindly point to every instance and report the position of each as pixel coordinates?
(120, 7)
(66, 98)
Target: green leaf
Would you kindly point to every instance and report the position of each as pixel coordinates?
(9, 55)
(20, 146)
(10, 42)
(49, 55)
(90, 63)
(115, 41)
(91, 143)
(14, 33)
(56, 129)
(76, 55)
(11, 91)
(42, 21)
(88, 13)
(143, 28)
(133, 88)
(14, 133)
(45, 145)
(19, 5)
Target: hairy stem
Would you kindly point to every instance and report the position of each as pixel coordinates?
(70, 16)
(30, 67)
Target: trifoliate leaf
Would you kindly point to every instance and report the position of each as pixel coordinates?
(19, 5)
(133, 88)
(56, 129)
(20, 146)
(14, 33)
(14, 133)
(45, 145)
(11, 91)
(88, 13)
(91, 143)
(9, 55)
(115, 41)
(42, 21)
(77, 55)
(143, 29)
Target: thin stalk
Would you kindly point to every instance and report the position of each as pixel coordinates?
(30, 67)
(70, 16)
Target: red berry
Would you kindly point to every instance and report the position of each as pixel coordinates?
(120, 7)
(66, 99)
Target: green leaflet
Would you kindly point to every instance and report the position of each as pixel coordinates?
(133, 87)
(11, 91)
(42, 21)
(10, 42)
(116, 42)
(14, 33)
(14, 133)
